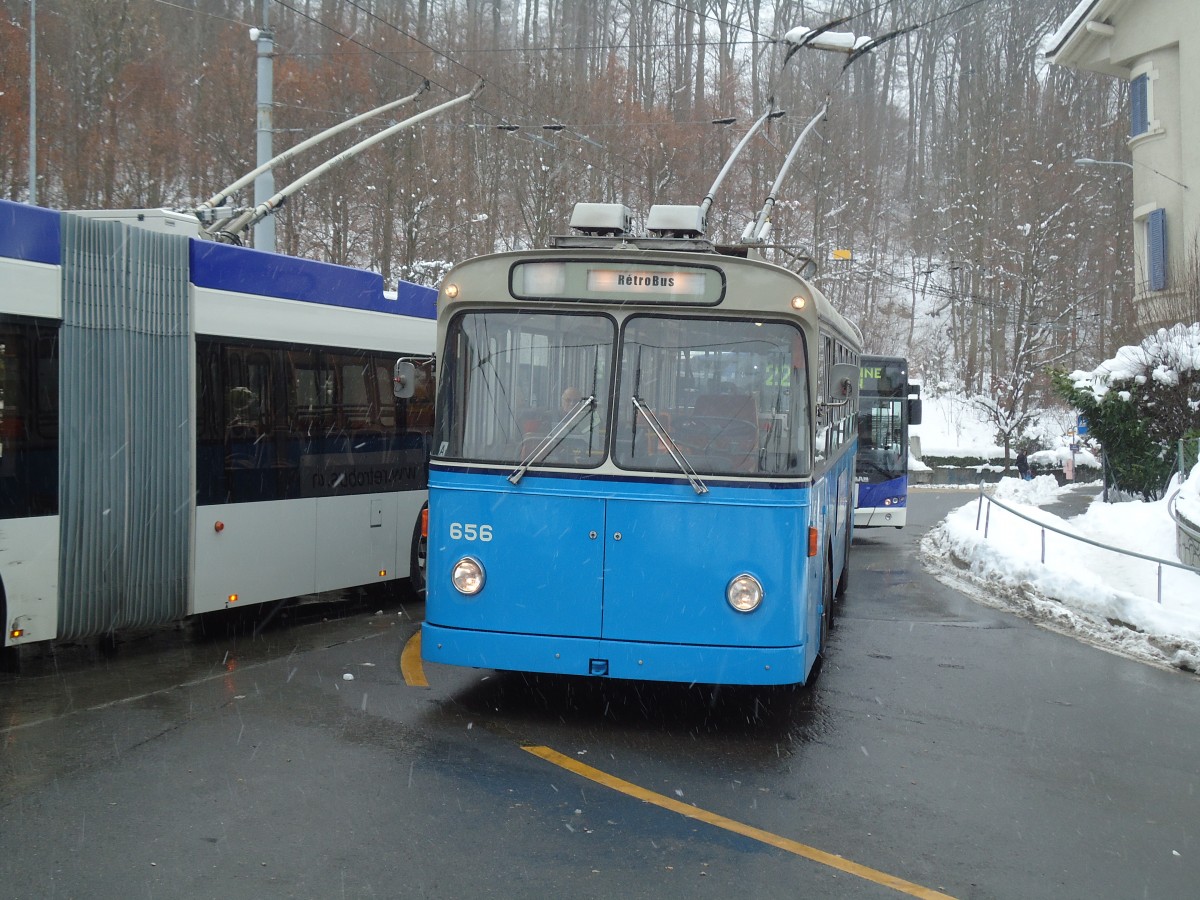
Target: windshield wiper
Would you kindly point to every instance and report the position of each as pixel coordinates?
(660, 432)
(551, 440)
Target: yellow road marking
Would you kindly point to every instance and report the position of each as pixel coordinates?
(766, 837)
(410, 663)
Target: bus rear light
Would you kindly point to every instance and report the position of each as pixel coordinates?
(744, 593)
(814, 541)
(467, 576)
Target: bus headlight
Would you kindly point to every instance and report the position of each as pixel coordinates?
(467, 576)
(744, 593)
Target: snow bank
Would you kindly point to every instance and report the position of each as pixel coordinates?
(1095, 593)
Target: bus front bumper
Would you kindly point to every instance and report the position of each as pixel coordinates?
(685, 663)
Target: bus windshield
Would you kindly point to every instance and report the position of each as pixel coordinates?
(729, 393)
(880, 447)
(516, 376)
(882, 425)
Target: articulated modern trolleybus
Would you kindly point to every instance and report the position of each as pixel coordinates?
(187, 426)
(643, 459)
(888, 404)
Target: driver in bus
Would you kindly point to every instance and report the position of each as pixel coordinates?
(570, 399)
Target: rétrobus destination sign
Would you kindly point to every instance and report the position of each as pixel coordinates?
(584, 281)
(619, 281)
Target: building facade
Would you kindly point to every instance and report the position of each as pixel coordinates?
(1154, 45)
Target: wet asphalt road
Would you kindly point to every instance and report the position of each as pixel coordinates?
(946, 747)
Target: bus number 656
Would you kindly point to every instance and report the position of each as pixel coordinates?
(460, 531)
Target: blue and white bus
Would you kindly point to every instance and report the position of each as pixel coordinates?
(888, 404)
(188, 426)
(643, 461)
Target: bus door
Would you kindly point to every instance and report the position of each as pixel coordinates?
(526, 391)
(728, 396)
(668, 564)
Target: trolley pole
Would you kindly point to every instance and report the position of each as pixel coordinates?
(264, 184)
(33, 102)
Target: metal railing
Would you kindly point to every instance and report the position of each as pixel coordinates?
(1044, 528)
(1182, 524)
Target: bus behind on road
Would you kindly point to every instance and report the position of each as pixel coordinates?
(887, 405)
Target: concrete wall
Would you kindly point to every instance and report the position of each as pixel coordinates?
(1187, 542)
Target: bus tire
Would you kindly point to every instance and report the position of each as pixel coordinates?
(418, 558)
(826, 608)
(10, 657)
(844, 579)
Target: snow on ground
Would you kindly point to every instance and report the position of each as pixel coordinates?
(1100, 596)
(1006, 558)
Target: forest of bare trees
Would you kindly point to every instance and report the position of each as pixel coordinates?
(944, 165)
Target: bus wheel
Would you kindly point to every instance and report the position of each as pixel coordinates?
(10, 657)
(418, 557)
(827, 608)
(844, 579)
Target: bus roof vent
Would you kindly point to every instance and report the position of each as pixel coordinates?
(675, 221)
(611, 219)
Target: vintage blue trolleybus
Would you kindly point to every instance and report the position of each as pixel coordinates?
(643, 459)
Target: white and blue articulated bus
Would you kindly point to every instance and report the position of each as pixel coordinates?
(187, 426)
(643, 461)
(888, 404)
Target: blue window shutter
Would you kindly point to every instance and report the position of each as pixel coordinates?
(1139, 111)
(1156, 249)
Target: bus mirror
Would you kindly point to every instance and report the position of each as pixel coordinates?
(843, 384)
(914, 412)
(404, 379)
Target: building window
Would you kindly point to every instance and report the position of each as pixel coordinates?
(1156, 249)
(1139, 105)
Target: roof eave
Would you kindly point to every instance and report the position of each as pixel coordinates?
(1082, 49)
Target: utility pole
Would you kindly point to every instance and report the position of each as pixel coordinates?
(33, 102)
(264, 184)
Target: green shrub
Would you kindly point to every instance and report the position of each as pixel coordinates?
(1138, 405)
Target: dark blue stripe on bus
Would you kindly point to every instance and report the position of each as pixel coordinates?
(416, 300)
(584, 479)
(225, 267)
(30, 233)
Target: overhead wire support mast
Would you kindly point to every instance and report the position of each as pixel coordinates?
(874, 43)
(203, 211)
(228, 232)
(810, 35)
